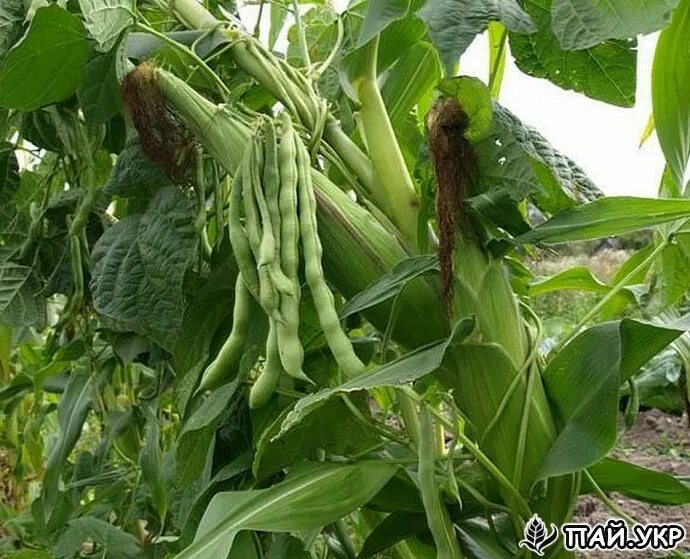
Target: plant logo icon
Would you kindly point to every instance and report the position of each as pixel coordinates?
(537, 539)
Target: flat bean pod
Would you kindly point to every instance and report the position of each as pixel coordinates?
(266, 383)
(268, 298)
(337, 340)
(228, 359)
(290, 347)
(238, 239)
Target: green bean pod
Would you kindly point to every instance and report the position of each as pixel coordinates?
(267, 381)
(337, 340)
(440, 524)
(291, 351)
(270, 236)
(268, 298)
(238, 238)
(228, 359)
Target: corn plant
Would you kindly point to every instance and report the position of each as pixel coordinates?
(264, 286)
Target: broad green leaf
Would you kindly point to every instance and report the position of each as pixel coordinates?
(565, 182)
(410, 79)
(11, 19)
(135, 175)
(453, 24)
(379, 16)
(73, 408)
(138, 267)
(117, 543)
(107, 19)
(408, 368)
(670, 83)
(505, 178)
(607, 217)
(579, 24)
(19, 303)
(475, 99)
(606, 72)
(390, 284)
(99, 93)
(40, 70)
(637, 483)
(583, 382)
(310, 497)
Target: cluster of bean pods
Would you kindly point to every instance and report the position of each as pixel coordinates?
(271, 216)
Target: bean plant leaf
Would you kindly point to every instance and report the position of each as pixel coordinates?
(99, 94)
(580, 24)
(321, 492)
(571, 184)
(106, 20)
(670, 83)
(606, 72)
(117, 543)
(583, 384)
(607, 217)
(19, 303)
(138, 267)
(11, 19)
(135, 175)
(40, 70)
(453, 24)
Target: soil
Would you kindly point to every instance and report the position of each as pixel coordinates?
(657, 441)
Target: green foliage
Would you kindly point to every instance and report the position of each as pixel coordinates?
(118, 275)
(37, 71)
(669, 78)
(579, 24)
(606, 72)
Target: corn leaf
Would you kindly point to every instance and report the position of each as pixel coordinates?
(583, 384)
(408, 368)
(670, 83)
(607, 217)
(637, 483)
(310, 497)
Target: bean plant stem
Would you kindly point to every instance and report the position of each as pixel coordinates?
(612, 506)
(225, 92)
(482, 458)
